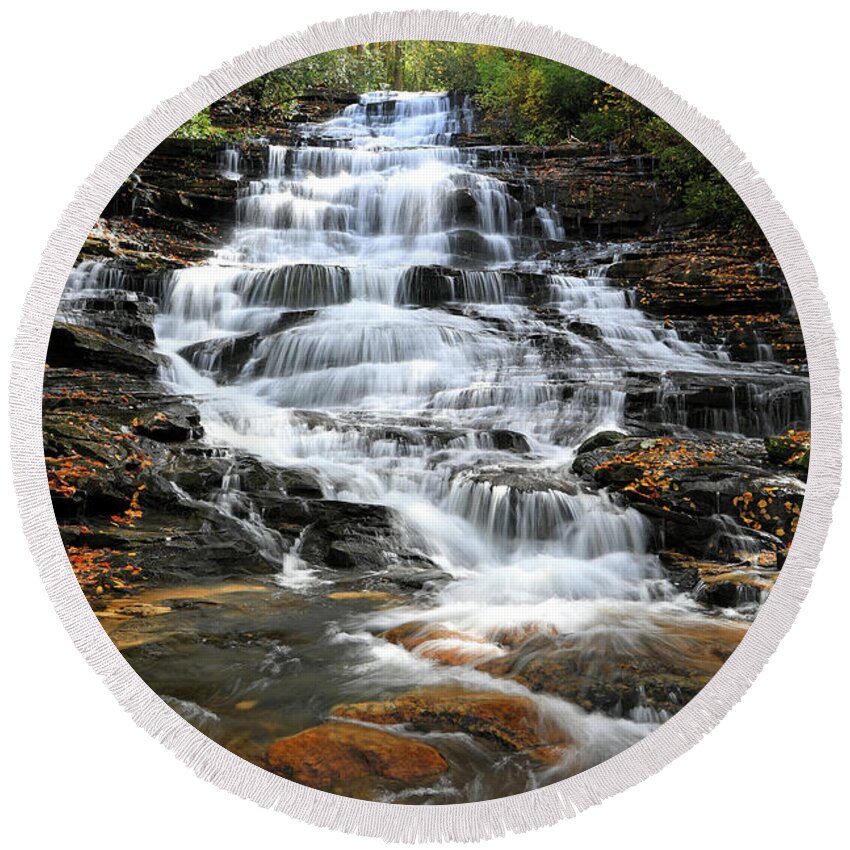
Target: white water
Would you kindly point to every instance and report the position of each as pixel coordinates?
(334, 229)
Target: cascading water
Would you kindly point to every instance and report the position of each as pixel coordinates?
(391, 286)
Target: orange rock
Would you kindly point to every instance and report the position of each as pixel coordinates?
(456, 652)
(445, 646)
(411, 635)
(333, 754)
(513, 722)
(548, 755)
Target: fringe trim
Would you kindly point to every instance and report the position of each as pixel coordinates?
(470, 821)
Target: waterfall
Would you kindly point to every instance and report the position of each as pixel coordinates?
(394, 291)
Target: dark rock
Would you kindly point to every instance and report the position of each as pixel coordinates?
(509, 441)
(175, 424)
(601, 440)
(426, 286)
(465, 209)
(222, 358)
(746, 404)
(119, 313)
(77, 347)
(585, 329)
(469, 246)
(692, 490)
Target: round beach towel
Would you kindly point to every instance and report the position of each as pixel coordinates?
(426, 423)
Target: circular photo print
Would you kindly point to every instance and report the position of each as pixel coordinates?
(426, 422)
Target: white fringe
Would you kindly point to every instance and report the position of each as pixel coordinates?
(471, 821)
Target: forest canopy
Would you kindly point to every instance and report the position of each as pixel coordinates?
(519, 99)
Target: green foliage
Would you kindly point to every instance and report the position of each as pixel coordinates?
(199, 126)
(707, 198)
(437, 65)
(529, 99)
(354, 69)
(614, 117)
(520, 98)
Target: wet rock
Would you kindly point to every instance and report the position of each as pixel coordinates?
(730, 291)
(125, 314)
(290, 319)
(599, 196)
(440, 644)
(222, 358)
(366, 539)
(512, 722)
(465, 208)
(366, 596)
(525, 479)
(586, 330)
(367, 547)
(618, 670)
(743, 404)
(469, 246)
(734, 589)
(134, 491)
(177, 423)
(179, 180)
(509, 441)
(723, 585)
(78, 347)
(601, 440)
(705, 273)
(705, 497)
(426, 286)
(333, 756)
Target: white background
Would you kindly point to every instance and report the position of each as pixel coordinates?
(76, 77)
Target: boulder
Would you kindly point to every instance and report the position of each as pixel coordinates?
(77, 347)
(335, 755)
(601, 440)
(222, 358)
(509, 441)
(176, 423)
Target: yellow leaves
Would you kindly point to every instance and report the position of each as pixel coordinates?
(656, 459)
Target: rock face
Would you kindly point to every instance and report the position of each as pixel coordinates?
(139, 496)
(336, 756)
(176, 208)
(600, 195)
(720, 289)
(714, 500)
